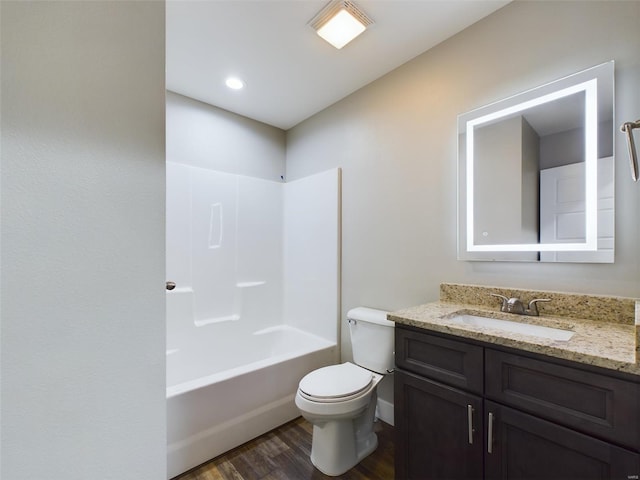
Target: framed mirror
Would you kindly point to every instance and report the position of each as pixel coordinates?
(536, 174)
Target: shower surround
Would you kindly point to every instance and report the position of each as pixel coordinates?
(256, 303)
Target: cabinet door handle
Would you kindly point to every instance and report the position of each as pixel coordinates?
(490, 433)
(470, 423)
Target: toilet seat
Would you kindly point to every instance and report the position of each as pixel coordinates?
(335, 383)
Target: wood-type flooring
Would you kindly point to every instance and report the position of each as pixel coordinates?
(283, 454)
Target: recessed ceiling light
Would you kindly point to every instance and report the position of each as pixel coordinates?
(339, 22)
(234, 83)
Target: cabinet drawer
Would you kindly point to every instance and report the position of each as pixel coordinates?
(596, 404)
(454, 363)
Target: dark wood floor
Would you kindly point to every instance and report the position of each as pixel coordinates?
(283, 454)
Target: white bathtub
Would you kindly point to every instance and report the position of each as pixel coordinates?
(226, 389)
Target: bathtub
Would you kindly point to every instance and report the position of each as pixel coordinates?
(226, 388)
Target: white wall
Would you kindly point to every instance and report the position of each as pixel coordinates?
(396, 143)
(83, 363)
(204, 136)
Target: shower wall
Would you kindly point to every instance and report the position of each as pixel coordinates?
(251, 252)
(224, 247)
(312, 253)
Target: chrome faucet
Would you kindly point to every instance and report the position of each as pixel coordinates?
(515, 305)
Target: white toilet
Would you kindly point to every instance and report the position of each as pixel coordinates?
(340, 400)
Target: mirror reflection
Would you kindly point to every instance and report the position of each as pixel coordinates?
(536, 174)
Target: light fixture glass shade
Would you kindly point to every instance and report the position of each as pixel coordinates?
(339, 22)
(341, 29)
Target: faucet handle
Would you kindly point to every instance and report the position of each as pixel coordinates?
(533, 305)
(504, 299)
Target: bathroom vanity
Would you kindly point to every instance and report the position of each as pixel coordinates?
(477, 401)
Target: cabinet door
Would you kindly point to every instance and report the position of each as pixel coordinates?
(525, 447)
(438, 430)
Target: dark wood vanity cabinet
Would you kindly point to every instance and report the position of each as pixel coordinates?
(466, 410)
(527, 447)
(432, 422)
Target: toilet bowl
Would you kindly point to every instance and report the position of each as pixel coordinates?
(340, 400)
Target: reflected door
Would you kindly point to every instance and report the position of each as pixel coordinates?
(562, 211)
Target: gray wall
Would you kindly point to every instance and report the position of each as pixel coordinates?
(505, 190)
(567, 147)
(82, 296)
(205, 136)
(530, 203)
(396, 142)
(563, 148)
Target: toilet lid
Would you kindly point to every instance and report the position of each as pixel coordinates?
(336, 382)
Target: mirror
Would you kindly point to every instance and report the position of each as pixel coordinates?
(535, 174)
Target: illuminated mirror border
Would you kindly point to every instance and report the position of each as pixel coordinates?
(590, 89)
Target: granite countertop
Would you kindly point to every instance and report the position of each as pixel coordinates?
(610, 344)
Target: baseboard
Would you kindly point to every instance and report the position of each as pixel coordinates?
(384, 411)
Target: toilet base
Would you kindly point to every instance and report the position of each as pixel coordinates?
(334, 463)
(339, 445)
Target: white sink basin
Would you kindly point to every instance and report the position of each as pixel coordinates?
(513, 327)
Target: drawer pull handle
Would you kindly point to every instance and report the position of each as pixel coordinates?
(470, 423)
(490, 433)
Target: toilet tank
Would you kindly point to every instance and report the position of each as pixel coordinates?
(372, 339)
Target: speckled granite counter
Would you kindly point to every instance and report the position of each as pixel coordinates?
(606, 329)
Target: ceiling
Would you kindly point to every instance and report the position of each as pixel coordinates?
(289, 71)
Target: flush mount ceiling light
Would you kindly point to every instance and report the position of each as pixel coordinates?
(234, 83)
(339, 22)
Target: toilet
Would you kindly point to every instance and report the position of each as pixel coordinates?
(340, 400)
